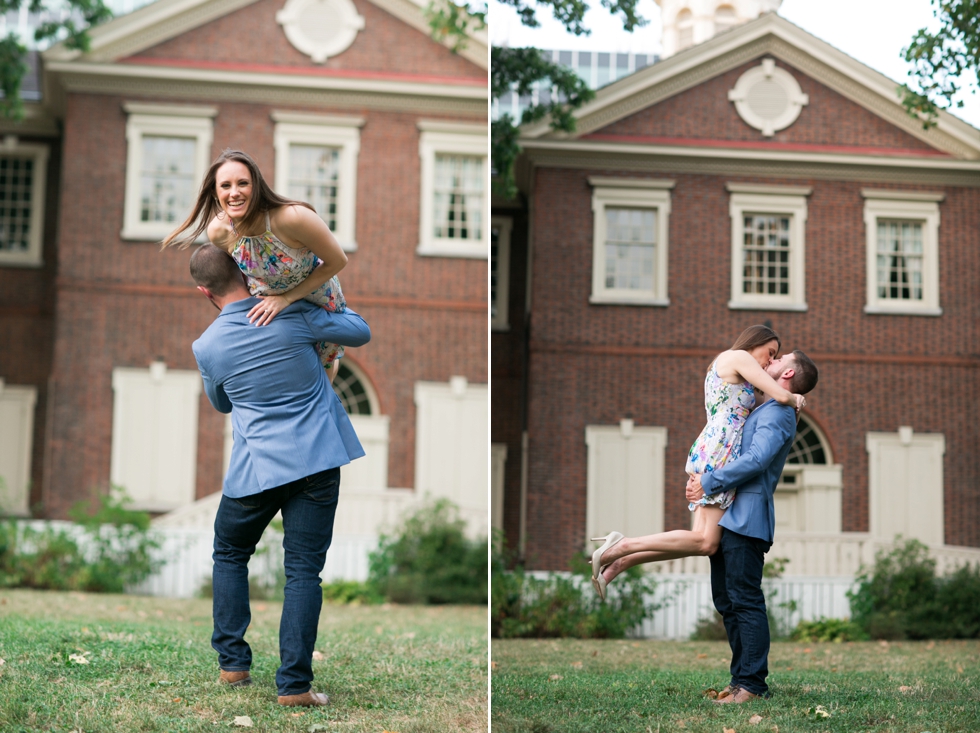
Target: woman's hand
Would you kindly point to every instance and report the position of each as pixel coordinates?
(800, 402)
(271, 305)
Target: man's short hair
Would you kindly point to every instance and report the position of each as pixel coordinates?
(214, 269)
(806, 375)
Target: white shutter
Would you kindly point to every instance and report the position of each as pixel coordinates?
(371, 471)
(16, 442)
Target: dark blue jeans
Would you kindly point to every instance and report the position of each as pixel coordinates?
(308, 507)
(736, 588)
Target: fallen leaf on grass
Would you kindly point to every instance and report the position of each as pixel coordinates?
(576, 665)
(959, 669)
(177, 699)
(493, 666)
(261, 607)
(818, 712)
(297, 715)
(78, 658)
(931, 645)
(2, 662)
(729, 730)
(243, 721)
(681, 723)
(808, 650)
(556, 677)
(905, 688)
(317, 656)
(711, 693)
(317, 728)
(883, 644)
(702, 656)
(595, 653)
(755, 720)
(775, 729)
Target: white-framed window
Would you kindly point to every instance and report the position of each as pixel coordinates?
(768, 246)
(16, 444)
(631, 218)
(23, 175)
(168, 153)
(360, 401)
(685, 29)
(500, 229)
(498, 464)
(902, 230)
(905, 485)
(154, 435)
(808, 495)
(625, 479)
(316, 162)
(725, 18)
(455, 207)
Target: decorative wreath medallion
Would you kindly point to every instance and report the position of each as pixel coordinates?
(320, 28)
(768, 98)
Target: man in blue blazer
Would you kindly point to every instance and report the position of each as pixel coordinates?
(291, 435)
(748, 527)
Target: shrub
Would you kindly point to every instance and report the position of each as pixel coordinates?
(561, 605)
(108, 549)
(901, 597)
(710, 628)
(430, 560)
(350, 591)
(828, 629)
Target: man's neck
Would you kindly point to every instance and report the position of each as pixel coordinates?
(232, 296)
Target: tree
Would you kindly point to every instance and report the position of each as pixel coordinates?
(945, 62)
(67, 20)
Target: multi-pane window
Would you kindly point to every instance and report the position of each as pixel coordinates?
(458, 197)
(167, 179)
(902, 230)
(768, 246)
(631, 238)
(500, 228)
(349, 388)
(685, 29)
(168, 151)
(725, 18)
(899, 260)
(629, 251)
(316, 162)
(454, 205)
(23, 170)
(766, 243)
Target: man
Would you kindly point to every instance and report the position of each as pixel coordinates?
(291, 435)
(748, 527)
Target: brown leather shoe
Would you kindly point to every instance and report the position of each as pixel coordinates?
(737, 697)
(725, 693)
(306, 700)
(235, 679)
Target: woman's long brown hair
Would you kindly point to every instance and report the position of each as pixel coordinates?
(207, 207)
(755, 336)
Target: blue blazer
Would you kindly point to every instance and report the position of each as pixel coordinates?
(288, 422)
(767, 437)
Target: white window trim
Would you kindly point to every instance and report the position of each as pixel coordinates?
(922, 207)
(33, 257)
(167, 121)
(505, 224)
(779, 200)
(335, 131)
(633, 193)
(498, 465)
(16, 473)
(453, 138)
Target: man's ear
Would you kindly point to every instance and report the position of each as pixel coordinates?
(207, 293)
(788, 374)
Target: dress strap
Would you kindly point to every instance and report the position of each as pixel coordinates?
(268, 228)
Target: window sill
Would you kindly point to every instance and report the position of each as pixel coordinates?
(479, 251)
(741, 305)
(500, 327)
(877, 310)
(604, 299)
(26, 262)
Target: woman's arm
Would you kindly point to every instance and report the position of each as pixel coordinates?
(298, 227)
(748, 369)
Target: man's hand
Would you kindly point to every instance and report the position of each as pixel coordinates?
(694, 491)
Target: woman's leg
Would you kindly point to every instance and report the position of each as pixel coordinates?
(702, 540)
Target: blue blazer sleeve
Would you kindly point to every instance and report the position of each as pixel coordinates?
(771, 433)
(346, 329)
(215, 392)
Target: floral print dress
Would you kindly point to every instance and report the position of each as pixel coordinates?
(727, 406)
(273, 267)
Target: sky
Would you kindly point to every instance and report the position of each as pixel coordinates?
(872, 31)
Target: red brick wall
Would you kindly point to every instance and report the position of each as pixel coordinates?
(704, 112)
(252, 36)
(588, 364)
(125, 303)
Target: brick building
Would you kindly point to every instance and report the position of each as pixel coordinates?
(758, 176)
(358, 111)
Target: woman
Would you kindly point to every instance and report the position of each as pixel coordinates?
(728, 398)
(285, 250)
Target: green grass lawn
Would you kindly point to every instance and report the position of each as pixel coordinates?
(572, 686)
(91, 662)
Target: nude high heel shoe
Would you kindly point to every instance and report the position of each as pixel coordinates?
(608, 541)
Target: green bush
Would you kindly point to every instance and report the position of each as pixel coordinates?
(110, 549)
(710, 628)
(429, 560)
(828, 629)
(524, 606)
(902, 598)
(350, 591)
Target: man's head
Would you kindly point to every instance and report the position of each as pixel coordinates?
(216, 273)
(795, 371)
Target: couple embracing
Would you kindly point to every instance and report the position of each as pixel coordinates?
(733, 469)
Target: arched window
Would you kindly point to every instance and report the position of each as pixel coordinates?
(685, 29)
(724, 18)
(810, 447)
(355, 391)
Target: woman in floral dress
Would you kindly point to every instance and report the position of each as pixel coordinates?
(729, 396)
(283, 247)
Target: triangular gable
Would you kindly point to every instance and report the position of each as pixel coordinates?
(163, 20)
(772, 36)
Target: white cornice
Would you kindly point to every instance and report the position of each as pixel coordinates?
(169, 110)
(307, 118)
(776, 36)
(616, 182)
(464, 128)
(768, 189)
(890, 194)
